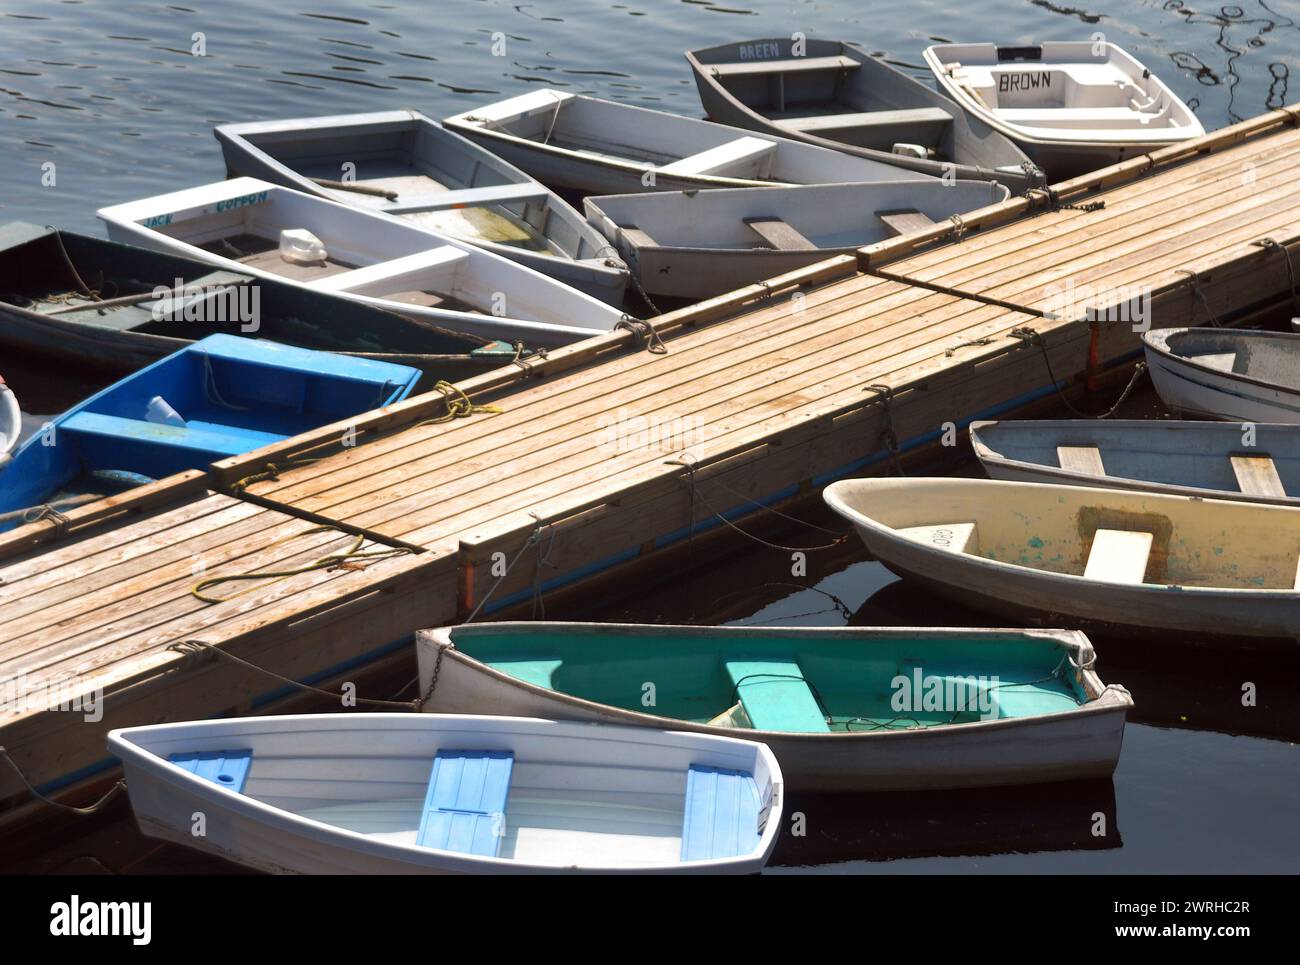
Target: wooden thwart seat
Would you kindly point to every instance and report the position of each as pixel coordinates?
(465, 804)
(471, 198)
(1257, 476)
(793, 65)
(1118, 556)
(779, 235)
(776, 696)
(429, 269)
(720, 819)
(733, 158)
(905, 220)
(636, 237)
(927, 122)
(1081, 459)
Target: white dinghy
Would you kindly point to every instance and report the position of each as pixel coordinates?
(251, 226)
(696, 244)
(1238, 375)
(403, 164)
(430, 794)
(602, 147)
(1101, 558)
(1072, 106)
(1218, 460)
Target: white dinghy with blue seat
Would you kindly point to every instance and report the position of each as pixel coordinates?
(432, 793)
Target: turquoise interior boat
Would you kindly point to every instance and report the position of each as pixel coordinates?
(832, 681)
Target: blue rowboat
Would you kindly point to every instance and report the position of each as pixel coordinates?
(219, 397)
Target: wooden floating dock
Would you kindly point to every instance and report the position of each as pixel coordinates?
(405, 518)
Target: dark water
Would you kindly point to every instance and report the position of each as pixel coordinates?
(111, 95)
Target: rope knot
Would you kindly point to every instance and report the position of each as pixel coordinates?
(644, 333)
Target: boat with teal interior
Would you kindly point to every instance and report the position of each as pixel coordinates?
(216, 398)
(843, 708)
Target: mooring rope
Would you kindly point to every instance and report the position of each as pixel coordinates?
(1198, 293)
(1030, 336)
(459, 405)
(885, 395)
(58, 237)
(271, 473)
(689, 465)
(644, 333)
(86, 811)
(1268, 244)
(617, 258)
(343, 560)
(197, 648)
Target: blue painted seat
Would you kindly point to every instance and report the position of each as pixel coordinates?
(465, 806)
(203, 438)
(228, 769)
(776, 696)
(721, 819)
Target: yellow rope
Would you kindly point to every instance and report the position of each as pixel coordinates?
(331, 561)
(459, 406)
(271, 472)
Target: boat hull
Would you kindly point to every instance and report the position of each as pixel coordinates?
(567, 232)
(1188, 386)
(242, 827)
(1199, 451)
(1053, 598)
(1079, 744)
(977, 151)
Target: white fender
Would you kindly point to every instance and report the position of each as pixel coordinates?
(11, 422)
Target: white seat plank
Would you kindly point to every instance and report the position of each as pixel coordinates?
(1118, 556)
(740, 156)
(794, 65)
(1085, 460)
(430, 269)
(1257, 476)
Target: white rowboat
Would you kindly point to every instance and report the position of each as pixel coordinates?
(432, 794)
(1072, 106)
(403, 164)
(1100, 558)
(1237, 375)
(696, 244)
(602, 147)
(366, 257)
